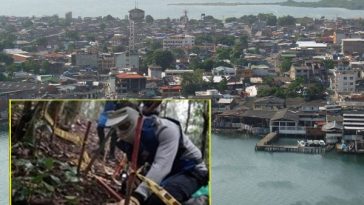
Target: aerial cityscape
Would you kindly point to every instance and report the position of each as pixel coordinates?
(286, 91)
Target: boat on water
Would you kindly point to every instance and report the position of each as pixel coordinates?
(311, 143)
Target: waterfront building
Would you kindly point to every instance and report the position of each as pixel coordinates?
(269, 103)
(286, 122)
(353, 136)
(333, 132)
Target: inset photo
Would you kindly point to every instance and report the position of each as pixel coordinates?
(110, 152)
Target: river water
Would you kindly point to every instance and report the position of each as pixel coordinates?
(4, 167)
(161, 9)
(242, 176)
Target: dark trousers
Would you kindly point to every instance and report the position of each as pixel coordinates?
(180, 186)
(101, 134)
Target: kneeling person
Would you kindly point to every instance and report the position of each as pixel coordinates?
(176, 163)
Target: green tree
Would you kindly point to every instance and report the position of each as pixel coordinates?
(42, 41)
(192, 83)
(7, 40)
(329, 64)
(72, 35)
(286, 64)
(222, 85)
(223, 53)
(178, 53)
(226, 40)
(149, 19)
(109, 18)
(270, 19)
(230, 19)
(46, 67)
(27, 23)
(4, 58)
(249, 19)
(286, 21)
(163, 58)
(314, 91)
(243, 42)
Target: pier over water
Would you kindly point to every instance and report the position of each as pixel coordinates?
(265, 145)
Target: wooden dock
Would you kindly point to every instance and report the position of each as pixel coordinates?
(267, 139)
(264, 145)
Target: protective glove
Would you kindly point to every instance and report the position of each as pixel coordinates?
(133, 201)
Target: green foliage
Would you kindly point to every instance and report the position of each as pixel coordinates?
(223, 53)
(108, 18)
(230, 19)
(149, 19)
(27, 23)
(225, 40)
(4, 58)
(203, 39)
(314, 91)
(163, 58)
(72, 35)
(178, 53)
(270, 19)
(192, 83)
(7, 40)
(286, 21)
(291, 91)
(286, 64)
(153, 44)
(329, 64)
(249, 19)
(222, 85)
(42, 41)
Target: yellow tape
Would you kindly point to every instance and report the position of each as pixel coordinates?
(162, 194)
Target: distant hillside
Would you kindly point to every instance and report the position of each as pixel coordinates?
(347, 4)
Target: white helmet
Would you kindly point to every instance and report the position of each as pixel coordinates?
(124, 120)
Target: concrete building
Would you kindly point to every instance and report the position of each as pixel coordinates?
(126, 60)
(155, 72)
(224, 71)
(129, 83)
(179, 41)
(344, 80)
(353, 122)
(68, 17)
(85, 59)
(105, 62)
(350, 46)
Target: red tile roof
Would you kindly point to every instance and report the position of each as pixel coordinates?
(172, 87)
(129, 76)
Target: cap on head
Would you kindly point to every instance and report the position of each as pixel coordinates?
(151, 107)
(124, 120)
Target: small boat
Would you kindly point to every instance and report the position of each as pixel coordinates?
(309, 142)
(301, 143)
(322, 143)
(316, 142)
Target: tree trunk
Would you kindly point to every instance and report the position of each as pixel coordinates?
(204, 134)
(188, 116)
(25, 117)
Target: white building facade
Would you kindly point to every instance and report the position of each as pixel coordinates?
(179, 41)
